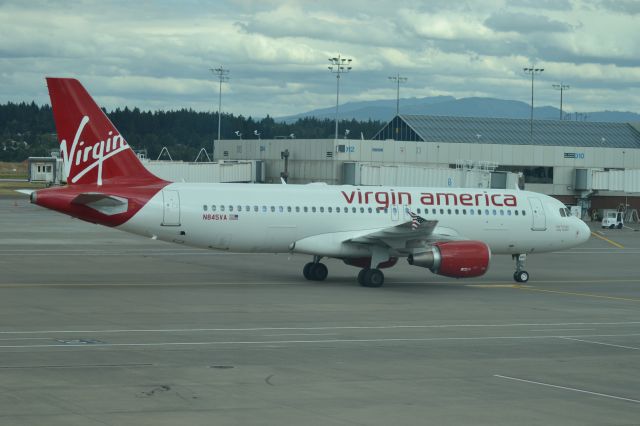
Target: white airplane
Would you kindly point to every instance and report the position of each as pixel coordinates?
(452, 232)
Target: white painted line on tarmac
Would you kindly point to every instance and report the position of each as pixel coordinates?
(299, 334)
(290, 342)
(143, 284)
(345, 327)
(13, 339)
(93, 254)
(563, 329)
(426, 284)
(271, 342)
(601, 343)
(604, 395)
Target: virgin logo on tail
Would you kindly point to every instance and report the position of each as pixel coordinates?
(84, 157)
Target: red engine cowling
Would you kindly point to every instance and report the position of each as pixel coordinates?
(456, 259)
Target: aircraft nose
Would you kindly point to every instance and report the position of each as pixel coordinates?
(583, 232)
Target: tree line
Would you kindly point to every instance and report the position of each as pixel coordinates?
(28, 130)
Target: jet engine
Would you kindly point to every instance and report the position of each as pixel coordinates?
(456, 259)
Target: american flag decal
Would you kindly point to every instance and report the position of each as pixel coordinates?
(233, 217)
(415, 220)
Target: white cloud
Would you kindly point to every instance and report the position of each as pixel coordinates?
(525, 23)
(158, 54)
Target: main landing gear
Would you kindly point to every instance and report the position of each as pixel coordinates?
(369, 277)
(315, 271)
(520, 275)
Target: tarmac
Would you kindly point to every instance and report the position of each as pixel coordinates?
(98, 327)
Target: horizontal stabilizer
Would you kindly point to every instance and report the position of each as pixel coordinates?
(104, 203)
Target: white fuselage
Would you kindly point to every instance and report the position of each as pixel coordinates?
(272, 218)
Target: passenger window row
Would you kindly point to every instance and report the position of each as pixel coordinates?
(378, 210)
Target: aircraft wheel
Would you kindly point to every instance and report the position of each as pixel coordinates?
(521, 276)
(306, 271)
(361, 275)
(373, 278)
(318, 272)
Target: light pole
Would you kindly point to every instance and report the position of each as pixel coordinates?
(223, 76)
(561, 87)
(533, 71)
(339, 65)
(626, 194)
(396, 78)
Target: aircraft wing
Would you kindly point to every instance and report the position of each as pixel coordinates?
(402, 239)
(404, 231)
(410, 234)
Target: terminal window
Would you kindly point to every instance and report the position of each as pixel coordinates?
(532, 174)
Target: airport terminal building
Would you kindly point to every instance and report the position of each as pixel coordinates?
(592, 165)
(596, 165)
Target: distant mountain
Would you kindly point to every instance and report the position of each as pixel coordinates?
(384, 110)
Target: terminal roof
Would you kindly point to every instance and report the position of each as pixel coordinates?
(509, 131)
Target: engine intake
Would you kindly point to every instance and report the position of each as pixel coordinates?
(456, 259)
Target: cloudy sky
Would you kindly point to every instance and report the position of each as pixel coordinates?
(158, 54)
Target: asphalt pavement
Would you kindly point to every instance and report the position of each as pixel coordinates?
(98, 327)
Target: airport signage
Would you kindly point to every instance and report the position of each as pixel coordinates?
(574, 155)
(346, 148)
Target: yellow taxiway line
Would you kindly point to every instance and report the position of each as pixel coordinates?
(613, 243)
(572, 293)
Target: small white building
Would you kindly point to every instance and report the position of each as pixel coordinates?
(45, 169)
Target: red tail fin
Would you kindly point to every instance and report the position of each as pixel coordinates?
(93, 150)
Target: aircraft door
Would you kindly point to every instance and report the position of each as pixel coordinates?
(395, 212)
(171, 208)
(405, 213)
(539, 220)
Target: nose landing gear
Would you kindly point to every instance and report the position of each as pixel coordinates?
(315, 271)
(520, 275)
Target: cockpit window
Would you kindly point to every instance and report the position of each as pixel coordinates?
(563, 213)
